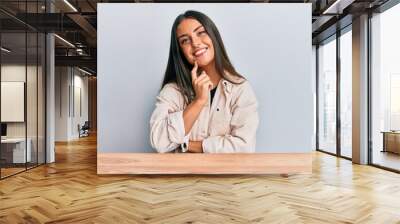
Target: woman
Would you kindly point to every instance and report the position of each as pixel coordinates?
(204, 105)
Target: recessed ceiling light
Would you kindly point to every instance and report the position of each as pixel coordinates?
(65, 41)
(5, 50)
(70, 5)
(84, 71)
(338, 6)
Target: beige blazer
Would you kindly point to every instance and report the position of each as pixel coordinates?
(228, 125)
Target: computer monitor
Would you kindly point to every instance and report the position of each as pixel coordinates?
(3, 129)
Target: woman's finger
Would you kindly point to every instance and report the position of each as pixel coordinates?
(208, 84)
(211, 85)
(204, 74)
(198, 79)
(201, 78)
(194, 71)
(205, 83)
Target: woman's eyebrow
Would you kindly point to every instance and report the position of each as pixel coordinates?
(197, 28)
(182, 35)
(193, 31)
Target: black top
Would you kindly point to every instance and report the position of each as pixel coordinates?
(213, 93)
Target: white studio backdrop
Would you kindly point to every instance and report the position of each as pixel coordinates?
(269, 44)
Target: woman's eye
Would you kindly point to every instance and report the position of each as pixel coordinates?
(202, 32)
(184, 41)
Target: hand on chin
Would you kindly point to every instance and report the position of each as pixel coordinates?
(201, 63)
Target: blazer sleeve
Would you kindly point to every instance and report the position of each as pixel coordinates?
(244, 124)
(167, 130)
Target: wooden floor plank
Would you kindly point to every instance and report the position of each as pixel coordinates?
(70, 191)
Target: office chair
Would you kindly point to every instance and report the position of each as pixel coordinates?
(84, 130)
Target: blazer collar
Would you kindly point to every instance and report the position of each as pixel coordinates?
(226, 85)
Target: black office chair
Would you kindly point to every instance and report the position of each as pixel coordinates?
(84, 130)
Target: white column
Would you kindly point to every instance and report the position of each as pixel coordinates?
(50, 110)
(50, 93)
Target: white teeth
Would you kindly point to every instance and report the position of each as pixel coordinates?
(200, 52)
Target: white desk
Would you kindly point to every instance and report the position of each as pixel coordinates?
(19, 149)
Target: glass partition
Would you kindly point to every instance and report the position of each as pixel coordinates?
(13, 110)
(22, 78)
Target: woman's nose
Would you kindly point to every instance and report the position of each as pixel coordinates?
(195, 42)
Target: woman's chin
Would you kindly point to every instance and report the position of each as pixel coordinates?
(202, 64)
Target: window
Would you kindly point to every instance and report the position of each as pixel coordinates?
(327, 96)
(346, 93)
(385, 88)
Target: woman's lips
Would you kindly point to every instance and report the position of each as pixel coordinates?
(200, 52)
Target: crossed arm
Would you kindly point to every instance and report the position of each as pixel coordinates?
(170, 124)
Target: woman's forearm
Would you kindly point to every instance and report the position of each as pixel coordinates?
(191, 113)
(195, 146)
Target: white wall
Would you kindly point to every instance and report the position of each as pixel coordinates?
(61, 103)
(80, 83)
(67, 116)
(270, 44)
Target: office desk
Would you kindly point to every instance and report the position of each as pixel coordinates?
(13, 150)
(391, 141)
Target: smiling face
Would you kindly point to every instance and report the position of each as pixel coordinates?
(195, 43)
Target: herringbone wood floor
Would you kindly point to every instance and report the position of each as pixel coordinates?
(69, 191)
